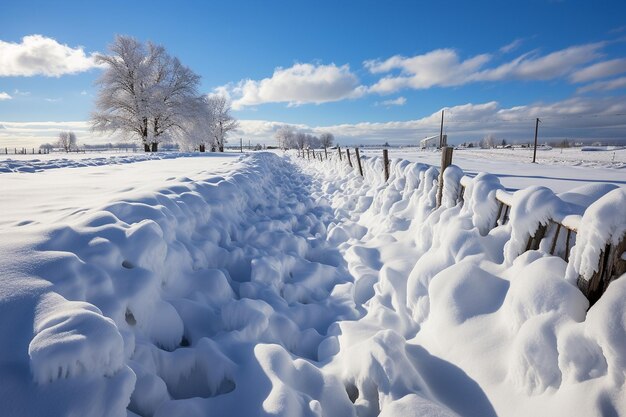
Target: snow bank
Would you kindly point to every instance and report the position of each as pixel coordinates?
(50, 161)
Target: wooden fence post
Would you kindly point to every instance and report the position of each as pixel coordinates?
(308, 155)
(325, 153)
(386, 164)
(446, 161)
(610, 267)
(339, 150)
(358, 159)
(348, 155)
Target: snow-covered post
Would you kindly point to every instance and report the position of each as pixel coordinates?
(598, 257)
(386, 164)
(339, 150)
(348, 155)
(446, 161)
(358, 160)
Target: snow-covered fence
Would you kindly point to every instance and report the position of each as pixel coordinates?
(589, 235)
(542, 221)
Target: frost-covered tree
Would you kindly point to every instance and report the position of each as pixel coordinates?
(488, 141)
(174, 102)
(285, 136)
(197, 131)
(313, 141)
(67, 141)
(143, 92)
(301, 140)
(122, 104)
(327, 139)
(223, 121)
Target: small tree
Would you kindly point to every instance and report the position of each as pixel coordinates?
(46, 147)
(301, 140)
(488, 141)
(313, 141)
(285, 137)
(327, 139)
(67, 141)
(223, 121)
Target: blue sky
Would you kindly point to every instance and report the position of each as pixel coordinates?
(367, 70)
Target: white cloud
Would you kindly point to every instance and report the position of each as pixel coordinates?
(444, 68)
(511, 46)
(579, 118)
(599, 70)
(400, 101)
(299, 84)
(53, 100)
(5, 96)
(441, 67)
(39, 55)
(21, 93)
(609, 85)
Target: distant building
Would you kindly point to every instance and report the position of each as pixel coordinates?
(432, 141)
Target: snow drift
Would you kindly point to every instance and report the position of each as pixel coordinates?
(297, 288)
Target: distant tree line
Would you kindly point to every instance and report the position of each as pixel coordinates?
(289, 138)
(151, 96)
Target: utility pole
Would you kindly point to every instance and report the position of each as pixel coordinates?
(535, 150)
(441, 132)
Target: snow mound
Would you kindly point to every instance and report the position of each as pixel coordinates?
(73, 339)
(603, 223)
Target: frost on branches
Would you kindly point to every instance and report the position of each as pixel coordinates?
(152, 97)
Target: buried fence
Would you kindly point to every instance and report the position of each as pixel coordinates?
(595, 256)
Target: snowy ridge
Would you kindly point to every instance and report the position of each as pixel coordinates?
(297, 288)
(45, 162)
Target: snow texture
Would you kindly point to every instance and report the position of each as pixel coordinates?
(271, 285)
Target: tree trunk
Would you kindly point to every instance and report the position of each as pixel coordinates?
(221, 148)
(146, 147)
(202, 148)
(155, 147)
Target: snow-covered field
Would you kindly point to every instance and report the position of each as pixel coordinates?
(559, 169)
(265, 284)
